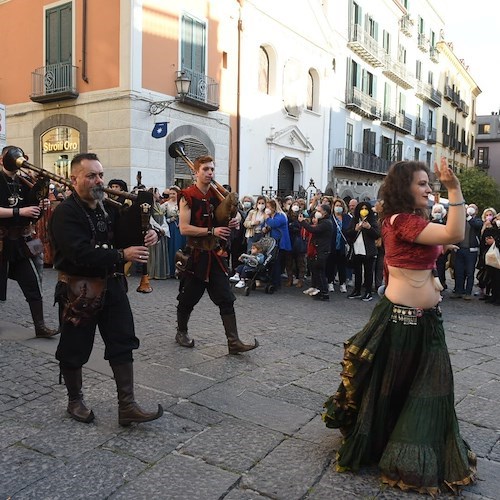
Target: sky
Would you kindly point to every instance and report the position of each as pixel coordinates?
(473, 27)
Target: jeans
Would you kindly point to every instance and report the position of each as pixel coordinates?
(465, 264)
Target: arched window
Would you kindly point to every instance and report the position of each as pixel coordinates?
(263, 71)
(310, 92)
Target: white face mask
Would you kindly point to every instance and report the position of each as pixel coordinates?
(295, 208)
(437, 215)
(498, 223)
(318, 215)
(471, 211)
(268, 211)
(261, 206)
(247, 204)
(338, 210)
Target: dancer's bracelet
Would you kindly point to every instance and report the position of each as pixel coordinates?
(458, 204)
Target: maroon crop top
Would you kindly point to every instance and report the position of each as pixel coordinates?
(399, 243)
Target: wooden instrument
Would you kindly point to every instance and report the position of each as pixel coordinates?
(228, 206)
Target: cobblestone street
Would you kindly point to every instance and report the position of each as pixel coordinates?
(235, 427)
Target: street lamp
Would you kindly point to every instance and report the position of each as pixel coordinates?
(182, 86)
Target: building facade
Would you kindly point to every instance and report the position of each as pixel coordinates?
(488, 144)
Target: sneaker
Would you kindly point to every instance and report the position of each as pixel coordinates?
(350, 282)
(235, 278)
(308, 291)
(343, 288)
(331, 288)
(314, 292)
(467, 297)
(367, 297)
(240, 284)
(354, 295)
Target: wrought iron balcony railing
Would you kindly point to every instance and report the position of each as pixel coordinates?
(203, 91)
(55, 82)
(345, 158)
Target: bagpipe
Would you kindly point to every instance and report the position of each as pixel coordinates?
(133, 218)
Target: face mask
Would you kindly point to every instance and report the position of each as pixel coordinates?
(437, 216)
(498, 223)
(338, 210)
(268, 211)
(295, 208)
(318, 215)
(364, 212)
(489, 218)
(261, 206)
(470, 211)
(247, 204)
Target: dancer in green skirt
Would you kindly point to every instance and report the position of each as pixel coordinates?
(395, 403)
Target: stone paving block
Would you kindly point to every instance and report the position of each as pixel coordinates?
(247, 405)
(490, 390)
(494, 453)
(179, 477)
(94, 475)
(12, 431)
(197, 413)
(466, 358)
(20, 467)
(305, 463)
(244, 494)
(233, 444)
(224, 368)
(481, 439)
(492, 366)
(317, 432)
(298, 396)
(151, 441)
(278, 374)
(479, 411)
(325, 381)
(488, 483)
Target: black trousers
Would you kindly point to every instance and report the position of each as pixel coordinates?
(116, 326)
(191, 290)
(318, 271)
(25, 273)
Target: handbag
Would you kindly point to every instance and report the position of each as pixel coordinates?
(349, 253)
(492, 257)
(34, 247)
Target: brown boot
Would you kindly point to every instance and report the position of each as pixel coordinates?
(144, 286)
(300, 283)
(234, 343)
(76, 404)
(289, 282)
(128, 410)
(41, 329)
(182, 337)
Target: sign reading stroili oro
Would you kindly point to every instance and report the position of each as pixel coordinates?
(58, 146)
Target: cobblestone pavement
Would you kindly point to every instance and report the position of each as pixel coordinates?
(235, 427)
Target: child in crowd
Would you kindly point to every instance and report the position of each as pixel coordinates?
(249, 263)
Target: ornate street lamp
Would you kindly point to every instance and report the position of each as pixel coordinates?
(182, 84)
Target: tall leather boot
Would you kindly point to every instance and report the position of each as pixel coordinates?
(76, 405)
(41, 330)
(234, 343)
(145, 285)
(128, 410)
(182, 337)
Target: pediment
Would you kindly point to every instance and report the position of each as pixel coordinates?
(291, 138)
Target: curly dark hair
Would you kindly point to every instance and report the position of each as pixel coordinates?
(395, 190)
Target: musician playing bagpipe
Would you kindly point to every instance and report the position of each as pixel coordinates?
(203, 221)
(19, 249)
(92, 290)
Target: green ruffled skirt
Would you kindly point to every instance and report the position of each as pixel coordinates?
(395, 404)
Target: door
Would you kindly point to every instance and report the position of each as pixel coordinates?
(285, 178)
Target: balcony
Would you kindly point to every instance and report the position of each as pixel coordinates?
(464, 150)
(446, 140)
(397, 121)
(428, 94)
(406, 24)
(423, 43)
(363, 44)
(398, 73)
(420, 130)
(55, 82)
(363, 104)
(465, 109)
(431, 136)
(434, 54)
(345, 158)
(203, 91)
(448, 93)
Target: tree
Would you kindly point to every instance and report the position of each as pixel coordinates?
(479, 188)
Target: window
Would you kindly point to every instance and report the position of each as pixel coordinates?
(428, 158)
(349, 136)
(193, 45)
(430, 78)
(483, 156)
(369, 139)
(430, 119)
(401, 54)
(416, 154)
(263, 71)
(368, 84)
(371, 27)
(483, 128)
(58, 28)
(312, 90)
(418, 71)
(386, 42)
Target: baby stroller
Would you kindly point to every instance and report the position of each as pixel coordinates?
(262, 271)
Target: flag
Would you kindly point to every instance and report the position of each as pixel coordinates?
(159, 130)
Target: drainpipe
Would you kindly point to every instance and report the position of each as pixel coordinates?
(238, 89)
(84, 42)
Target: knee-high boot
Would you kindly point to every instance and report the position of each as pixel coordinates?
(182, 337)
(234, 343)
(41, 330)
(128, 410)
(76, 404)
